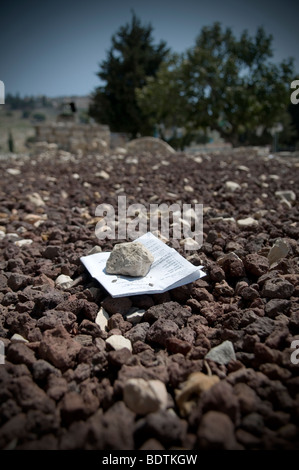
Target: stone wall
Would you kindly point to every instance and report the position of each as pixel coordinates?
(75, 137)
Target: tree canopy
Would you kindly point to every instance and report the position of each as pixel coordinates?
(223, 83)
(132, 58)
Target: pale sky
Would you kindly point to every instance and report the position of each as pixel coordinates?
(55, 47)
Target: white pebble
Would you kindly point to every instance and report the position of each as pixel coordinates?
(16, 338)
(102, 319)
(144, 397)
(248, 222)
(119, 342)
(63, 281)
(232, 186)
(13, 171)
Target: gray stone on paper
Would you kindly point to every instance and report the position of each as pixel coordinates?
(223, 353)
(129, 259)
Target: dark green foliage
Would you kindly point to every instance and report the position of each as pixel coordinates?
(131, 59)
(222, 83)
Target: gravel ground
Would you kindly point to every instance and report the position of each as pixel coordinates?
(65, 386)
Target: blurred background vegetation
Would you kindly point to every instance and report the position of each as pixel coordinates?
(223, 83)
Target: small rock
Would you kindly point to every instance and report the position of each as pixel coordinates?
(135, 315)
(276, 306)
(189, 392)
(23, 242)
(17, 281)
(118, 342)
(31, 397)
(188, 188)
(247, 222)
(176, 345)
(34, 219)
(279, 250)
(13, 171)
(52, 318)
(223, 289)
(223, 353)
(138, 332)
(117, 305)
(166, 426)
(16, 338)
(277, 288)
(103, 174)
(59, 348)
(20, 353)
(41, 369)
(247, 397)
(63, 281)
(84, 340)
(145, 397)
(275, 372)
(212, 236)
(232, 264)
(161, 330)
(262, 326)
(96, 249)
(36, 199)
(232, 186)
(118, 322)
(102, 319)
(190, 244)
(51, 252)
(253, 423)
(72, 407)
(256, 265)
(216, 431)
(56, 386)
(130, 259)
(243, 168)
(119, 358)
(288, 195)
(221, 397)
(167, 311)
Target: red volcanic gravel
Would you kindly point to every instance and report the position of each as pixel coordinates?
(61, 386)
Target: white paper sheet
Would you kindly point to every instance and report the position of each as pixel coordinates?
(169, 270)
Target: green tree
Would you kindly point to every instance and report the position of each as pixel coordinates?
(131, 58)
(163, 100)
(226, 84)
